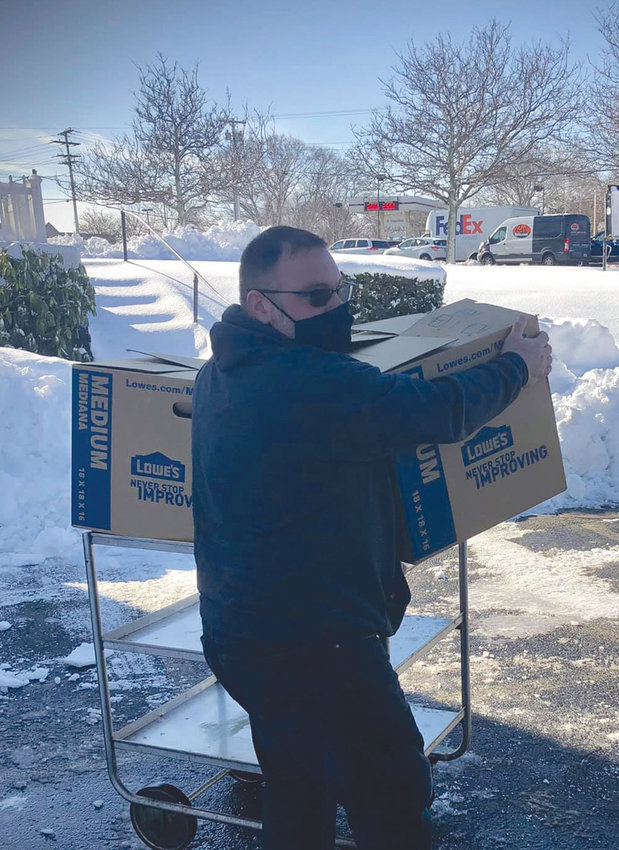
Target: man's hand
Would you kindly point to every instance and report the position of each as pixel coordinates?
(535, 351)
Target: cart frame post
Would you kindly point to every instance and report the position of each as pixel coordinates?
(465, 669)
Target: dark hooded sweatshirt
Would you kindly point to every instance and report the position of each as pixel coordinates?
(295, 507)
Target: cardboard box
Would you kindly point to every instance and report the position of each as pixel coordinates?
(452, 492)
(131, 447)
(131, 454)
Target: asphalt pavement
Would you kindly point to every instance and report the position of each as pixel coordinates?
(542, 771)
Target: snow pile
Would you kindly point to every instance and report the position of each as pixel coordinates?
(587, 420)
(83, 656)
(223, 241)
(34, 458)
(67, 250)
(94, 246)
(583, 343)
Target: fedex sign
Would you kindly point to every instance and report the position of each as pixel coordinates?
(465, 226)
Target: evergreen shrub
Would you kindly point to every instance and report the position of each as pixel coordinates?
(44, 306)
(383, 296)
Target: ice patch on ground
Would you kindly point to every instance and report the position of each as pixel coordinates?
(541, 590)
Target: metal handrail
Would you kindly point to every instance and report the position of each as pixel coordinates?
(196, 273)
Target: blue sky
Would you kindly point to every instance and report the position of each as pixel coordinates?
(76, 65)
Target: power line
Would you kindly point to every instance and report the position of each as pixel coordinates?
(121, 127)
(331, 114)
(25, 148)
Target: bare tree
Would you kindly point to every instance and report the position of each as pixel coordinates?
(602, 141)
(287, 181)
(173, 156)
(461, 115)
(532, 180)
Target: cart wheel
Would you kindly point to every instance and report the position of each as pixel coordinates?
(163, 830)
(244, 777)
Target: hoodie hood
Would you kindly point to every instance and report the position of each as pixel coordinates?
(237, 337)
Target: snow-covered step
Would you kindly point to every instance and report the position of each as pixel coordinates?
(206, 725)
(175, 631)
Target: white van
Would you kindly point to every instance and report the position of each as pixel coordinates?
(474, 225)
(545, 239)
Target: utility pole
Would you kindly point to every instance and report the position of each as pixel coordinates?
(68, 159)
(233, 138)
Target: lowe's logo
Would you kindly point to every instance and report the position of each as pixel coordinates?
(487, 442)
(157, 465)
(465, 225)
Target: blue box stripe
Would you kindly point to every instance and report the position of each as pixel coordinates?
(425, 500)
(91, 449)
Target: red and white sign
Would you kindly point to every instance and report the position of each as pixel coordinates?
(521, 230)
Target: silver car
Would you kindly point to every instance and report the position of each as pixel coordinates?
(422, 247)
(360, 246)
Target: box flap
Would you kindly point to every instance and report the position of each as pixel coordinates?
(395, 325)
(397, 350)
(153, 367)
(464, 320)
(361, 339)
(173, 359)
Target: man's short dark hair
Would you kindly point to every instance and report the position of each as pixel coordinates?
(263, 252)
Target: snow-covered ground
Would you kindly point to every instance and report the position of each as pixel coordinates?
(147, 305)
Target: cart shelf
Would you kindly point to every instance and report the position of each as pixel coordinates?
(175, 632)
(206, 725)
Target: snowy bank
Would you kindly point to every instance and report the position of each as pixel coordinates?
(222, 241)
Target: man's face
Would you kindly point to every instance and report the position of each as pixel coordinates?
(303, 271)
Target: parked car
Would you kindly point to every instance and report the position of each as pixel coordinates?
(545, 239)
(612, 249)
(360, 246)
(422, 247)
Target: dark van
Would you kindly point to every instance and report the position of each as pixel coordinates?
(545, 239)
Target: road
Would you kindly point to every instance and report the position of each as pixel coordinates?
(542, 770)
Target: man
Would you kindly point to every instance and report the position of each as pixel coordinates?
(296, 541)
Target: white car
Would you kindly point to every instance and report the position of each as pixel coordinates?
(360, 246)
(422, 247)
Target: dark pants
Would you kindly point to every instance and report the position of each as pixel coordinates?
(330, 724)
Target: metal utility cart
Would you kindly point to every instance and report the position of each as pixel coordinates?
(204, 725)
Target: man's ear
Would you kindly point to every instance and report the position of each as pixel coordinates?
(258, 307)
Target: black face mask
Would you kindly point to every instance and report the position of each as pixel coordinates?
(329, 331)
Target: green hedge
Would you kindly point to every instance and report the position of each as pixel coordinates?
(44, 307)
(383, 296)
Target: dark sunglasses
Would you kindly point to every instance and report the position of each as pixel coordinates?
(320, 296)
